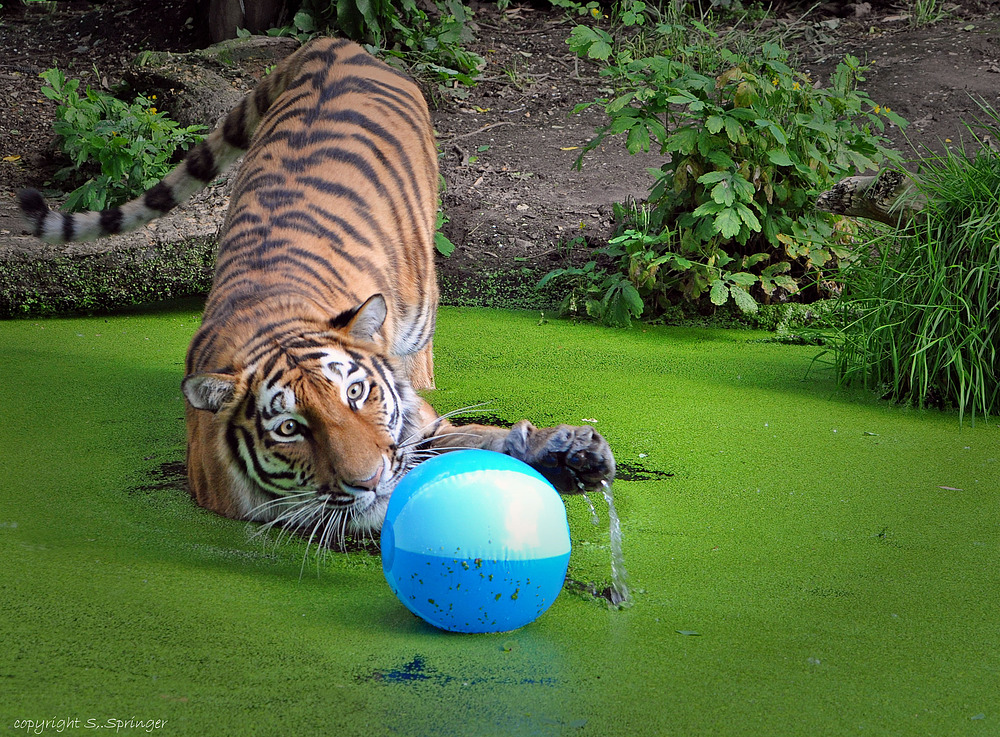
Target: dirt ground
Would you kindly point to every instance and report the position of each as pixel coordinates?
(515, 205)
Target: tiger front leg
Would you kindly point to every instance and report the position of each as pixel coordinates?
(573, 459)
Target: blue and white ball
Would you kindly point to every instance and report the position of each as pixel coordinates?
(475, 541)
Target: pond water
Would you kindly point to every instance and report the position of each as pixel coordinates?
(801, 561)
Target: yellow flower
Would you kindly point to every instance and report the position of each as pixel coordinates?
(878, 109)
(152, 111)
(775, 81)
(796, 86)
(887, 109)
(152, 97)
(595, 12)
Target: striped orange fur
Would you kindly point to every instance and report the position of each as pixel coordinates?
(301, 380)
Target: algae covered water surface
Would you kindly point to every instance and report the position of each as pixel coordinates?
(802, 562)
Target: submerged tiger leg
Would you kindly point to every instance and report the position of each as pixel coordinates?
(573, 459)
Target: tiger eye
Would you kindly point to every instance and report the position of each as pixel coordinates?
(355, 390)
(288, 428)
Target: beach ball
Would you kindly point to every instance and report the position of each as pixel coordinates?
(475, 541)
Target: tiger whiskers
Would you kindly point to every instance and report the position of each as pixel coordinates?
(333, 518)
(422, 451)
(417, 436)
(296, 512)
(287, 506)
(288, 500)
(322, 524)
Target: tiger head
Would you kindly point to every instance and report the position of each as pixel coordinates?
(310, 430)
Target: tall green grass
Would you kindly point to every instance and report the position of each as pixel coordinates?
(925, 305)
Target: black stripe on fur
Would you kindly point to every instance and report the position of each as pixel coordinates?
(200, 163)
(160, 198)
(34, 208)
(234, 128)
(111, 221)
(341, 321)
(68, 227)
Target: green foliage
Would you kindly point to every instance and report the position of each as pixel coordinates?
(435, 47)
(124, 148)
(927, 12)
(302, 28)
(442, 243)
(608, 298)
(592, 8)
(431, 47)
(747, 147)
(927, 300)
(650, 257)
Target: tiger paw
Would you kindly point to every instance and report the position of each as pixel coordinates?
(573, 459)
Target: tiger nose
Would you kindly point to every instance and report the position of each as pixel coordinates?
(370, 483)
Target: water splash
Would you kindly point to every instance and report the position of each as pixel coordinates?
(594, 519)
(618, 593)
(619, 588)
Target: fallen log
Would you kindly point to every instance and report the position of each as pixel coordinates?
(891, 197)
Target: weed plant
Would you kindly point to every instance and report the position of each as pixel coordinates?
(928, 299)
(123, 149)
(927, 12)
(748, 144)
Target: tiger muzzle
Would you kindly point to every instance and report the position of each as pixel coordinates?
(369, 484)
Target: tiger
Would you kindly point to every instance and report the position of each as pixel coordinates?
(301, 384)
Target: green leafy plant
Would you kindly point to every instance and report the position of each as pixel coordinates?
(442, 243)
(602, 296)
(435, 48)
(926, 301)
(592, 8)
(749, 146)
(429, 45)
(123, 149)
(302, 28)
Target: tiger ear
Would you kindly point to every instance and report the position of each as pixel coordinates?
(209, 391)
(363, 322)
